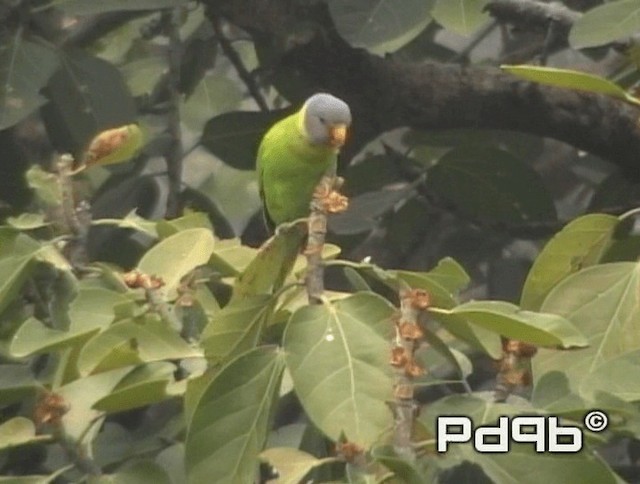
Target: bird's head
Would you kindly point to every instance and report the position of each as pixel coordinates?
(325, 120)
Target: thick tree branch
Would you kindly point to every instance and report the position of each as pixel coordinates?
(532, 13)
(385, 94)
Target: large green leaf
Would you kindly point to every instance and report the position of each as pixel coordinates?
(19, 431)
(176, 256)
(230, 257)
(570, 79)
(491, 184)
(542, 329)
(602, 302)
(521, 465)
(145, 385)
(230, 423)
(581, 243)
(90, 7)
(234, 137)
(606, 23)
(381, 26)
(93, 309)
(236, 328)
(131, 342)
(25, 68)
(462, 16)
(338, 356)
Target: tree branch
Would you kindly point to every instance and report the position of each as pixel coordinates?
(385, 94)
(532, 13)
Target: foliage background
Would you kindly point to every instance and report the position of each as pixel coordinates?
(458, 173)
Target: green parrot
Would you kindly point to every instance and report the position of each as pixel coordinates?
(292, 157)
(296, 152)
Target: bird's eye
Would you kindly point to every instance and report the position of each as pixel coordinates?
(322, 120)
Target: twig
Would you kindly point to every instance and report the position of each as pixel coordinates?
(151, 285)
(236, 61)
(76, 220)
(317, 232)
(174, 153)
(408, 338)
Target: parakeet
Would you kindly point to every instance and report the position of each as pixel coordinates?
(296, 152)
(292, 157)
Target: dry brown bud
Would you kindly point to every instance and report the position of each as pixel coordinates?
(410, 331)
(399, 357)
(350, 451)
(413, 370)
(50, 409)
(335, 202)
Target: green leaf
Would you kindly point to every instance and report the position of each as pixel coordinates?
(130, 221)
(80, 395)
(192, 220)
(145, 385)
(541, 329)
(91, 310)
(236, 328)
(491, 184)
(338, 356)
(176, 256)
(17, 253)
(27, 221)
(45, 185)
(450, 275)
(230, 257)
(134, 473)
(129, 343)
(292, 465)
(570, 79)
(89, 7)
(602, 302)
(464, 17)
(234, 137)
(230, 423)
(365, 208)
(402, 469)
(25, 68)
(380, 26)
(19, 431)
(581, 243)
(87, 95)
(606, 23)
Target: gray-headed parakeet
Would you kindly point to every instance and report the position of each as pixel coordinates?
(292, 157)
(296, 152)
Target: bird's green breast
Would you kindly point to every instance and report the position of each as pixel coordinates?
(289, 168)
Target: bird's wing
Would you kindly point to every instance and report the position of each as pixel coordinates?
(268, 221)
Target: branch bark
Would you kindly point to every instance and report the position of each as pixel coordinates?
(384, 93)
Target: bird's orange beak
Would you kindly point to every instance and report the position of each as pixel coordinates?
(337, 135)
